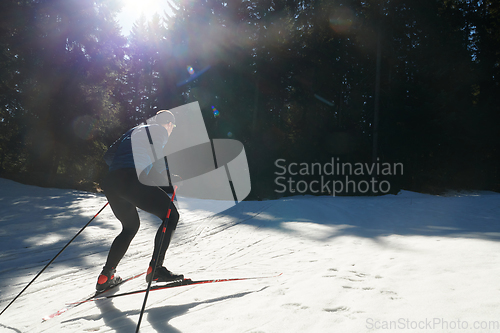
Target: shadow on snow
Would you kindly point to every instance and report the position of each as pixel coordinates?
(408, 214)
(157, 317)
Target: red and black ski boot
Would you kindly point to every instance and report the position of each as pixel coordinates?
(107, 279)
(162, 275)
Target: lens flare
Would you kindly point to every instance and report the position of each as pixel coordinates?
(215, 111)
(84, 127)
(229, 134)
(341, 20)
(193, 75)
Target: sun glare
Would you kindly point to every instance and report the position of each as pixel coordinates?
(143, 6)
(133, 9)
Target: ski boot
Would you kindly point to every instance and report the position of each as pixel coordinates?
(162, 275)
(107, 279)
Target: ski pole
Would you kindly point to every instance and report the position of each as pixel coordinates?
(164, 224)
(57, 255)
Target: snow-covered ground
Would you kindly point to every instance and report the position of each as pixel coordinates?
(407, 262)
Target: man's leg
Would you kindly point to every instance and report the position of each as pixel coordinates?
(171, 226)
(126, 213)
(156, 201)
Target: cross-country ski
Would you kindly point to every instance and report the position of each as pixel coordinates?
(95, 295)
(184, 282)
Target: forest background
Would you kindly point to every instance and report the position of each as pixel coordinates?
(402, 81)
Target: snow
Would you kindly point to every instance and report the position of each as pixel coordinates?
(350, 264)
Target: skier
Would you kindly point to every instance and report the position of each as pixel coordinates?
(125, 193)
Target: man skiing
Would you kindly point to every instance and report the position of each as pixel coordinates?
(125, 193)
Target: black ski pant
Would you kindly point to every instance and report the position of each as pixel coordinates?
(125, 194)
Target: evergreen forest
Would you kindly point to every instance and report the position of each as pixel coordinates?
(414, 82)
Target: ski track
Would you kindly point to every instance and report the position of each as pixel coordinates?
(344, 260)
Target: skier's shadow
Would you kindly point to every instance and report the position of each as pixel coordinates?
(157, 317)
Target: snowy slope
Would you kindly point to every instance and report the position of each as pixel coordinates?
(350, 264)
